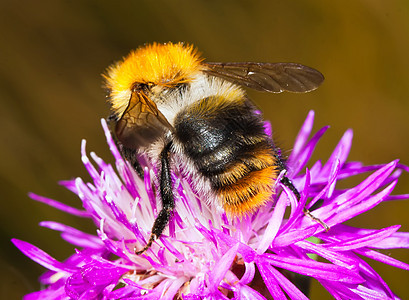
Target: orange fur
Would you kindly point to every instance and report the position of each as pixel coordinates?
(250, 192)
(261, 159)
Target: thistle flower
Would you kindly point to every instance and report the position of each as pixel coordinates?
(205, 255)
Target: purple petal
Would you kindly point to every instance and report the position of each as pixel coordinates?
(247, 253)
(218, 273)
(355, 168)
(337, 258)
(125, 292)
(340, 291)
(59, 205)
(74, 236)
(302, 137)
(172, 249)
(293, 236)
(270, 281)
(271, 273)
(307, 152)
(88, 166)
(313, 268)
(91, 279)
(327, 191)
(42, 258)
(340, 152)
(383, 258)
(396, 240)
(247, 293)
(173, 288)
(397, 197)
(373, 280)
(351, 211)
(364, 240)
(111, 143)
(369, 185)
(53, 292)
(248, 273)
(370, 293)
(274, 223)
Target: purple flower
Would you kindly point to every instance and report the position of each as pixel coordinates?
(204, 255)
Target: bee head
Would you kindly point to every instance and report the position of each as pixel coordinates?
(164, 65)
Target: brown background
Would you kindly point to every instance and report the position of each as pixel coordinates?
(53, 52)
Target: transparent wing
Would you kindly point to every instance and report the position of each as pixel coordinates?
(142, 123)
(268, 77)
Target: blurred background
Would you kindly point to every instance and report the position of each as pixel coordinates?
(53, 53)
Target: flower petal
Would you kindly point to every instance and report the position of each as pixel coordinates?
(364, 240)
(60, 206)
(383, 258)
(302, 137)
(274, 223)
(270, 281)
(272, 277)
(305, 155)
(42, 258)
(219, 271)
(313, 268)
(74, 236)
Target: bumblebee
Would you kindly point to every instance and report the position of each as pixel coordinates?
(193, 115)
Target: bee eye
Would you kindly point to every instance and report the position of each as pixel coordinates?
(142, 86)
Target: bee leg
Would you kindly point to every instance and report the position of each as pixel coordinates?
(287, 182)
(311, 216)
(132, 157)
(168, 201)
(128, 154)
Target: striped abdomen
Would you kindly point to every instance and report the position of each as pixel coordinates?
(227, 143)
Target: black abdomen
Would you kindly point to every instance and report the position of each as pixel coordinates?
(220, 137)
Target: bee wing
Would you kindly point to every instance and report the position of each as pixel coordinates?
(141, 123)
(268, 77)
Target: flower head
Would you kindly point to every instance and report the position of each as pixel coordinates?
(206, 255)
